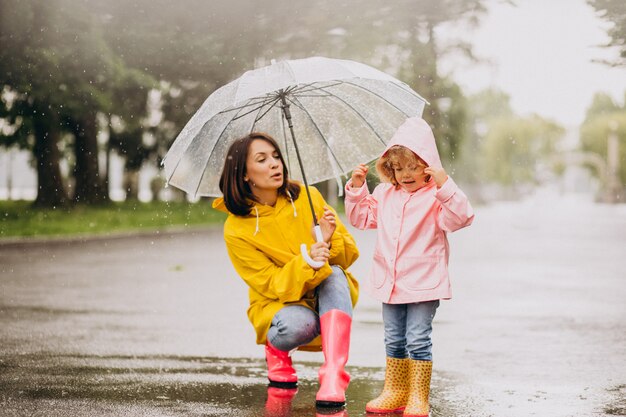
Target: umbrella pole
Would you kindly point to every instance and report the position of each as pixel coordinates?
(318, 231)
(287, 113)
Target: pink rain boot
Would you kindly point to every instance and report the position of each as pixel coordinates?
(280, 370)
(278, 402)
(335, 327)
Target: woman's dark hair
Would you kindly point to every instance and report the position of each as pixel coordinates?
(238, 196)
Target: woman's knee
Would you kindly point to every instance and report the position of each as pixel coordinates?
(337, 281)
(293, 326)
(334, 293)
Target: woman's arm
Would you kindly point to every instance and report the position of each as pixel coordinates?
(343, 249)
(287, 283)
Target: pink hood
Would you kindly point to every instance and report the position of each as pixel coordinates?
(417, 135)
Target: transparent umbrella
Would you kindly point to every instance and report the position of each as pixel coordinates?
(328, 115)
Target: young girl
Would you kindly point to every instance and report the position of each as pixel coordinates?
(413, 209)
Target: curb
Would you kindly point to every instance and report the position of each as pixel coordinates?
(73, 239)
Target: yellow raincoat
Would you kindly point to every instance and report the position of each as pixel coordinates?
(265, 251)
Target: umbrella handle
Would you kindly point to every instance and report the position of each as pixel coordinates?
(305, 253)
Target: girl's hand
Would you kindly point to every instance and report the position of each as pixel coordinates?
(358, 176)
(328, 224)
(320, 252)
(438, 174)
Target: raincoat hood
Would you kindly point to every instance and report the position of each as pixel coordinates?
(417, 135)
(218, 204)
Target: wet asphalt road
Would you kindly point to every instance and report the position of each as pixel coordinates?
(155, 325)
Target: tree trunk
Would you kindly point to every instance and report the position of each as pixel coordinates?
(131, 184)
(107, 167)
(89, 187)
(50, 190)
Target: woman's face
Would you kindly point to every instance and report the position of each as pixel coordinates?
(264, 169)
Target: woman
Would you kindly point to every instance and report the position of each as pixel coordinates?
(291, 303)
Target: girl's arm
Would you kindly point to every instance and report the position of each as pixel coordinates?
(287, 283)
(361, 207)
(455, 211)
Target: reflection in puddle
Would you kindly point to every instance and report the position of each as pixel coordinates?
(170, 386)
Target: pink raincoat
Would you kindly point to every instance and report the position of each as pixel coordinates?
(411, 254)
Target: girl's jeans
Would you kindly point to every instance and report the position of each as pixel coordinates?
(297, 325)
(408, 328)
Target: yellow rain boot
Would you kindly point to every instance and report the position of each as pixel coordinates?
(395, 393)
(419, 375)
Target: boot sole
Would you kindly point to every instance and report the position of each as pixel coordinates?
(284, 385)
(330, 404)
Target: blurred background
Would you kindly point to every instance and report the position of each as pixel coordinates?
(524, 95)
(527, 102)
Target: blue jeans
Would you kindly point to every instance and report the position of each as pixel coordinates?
(408, 328)
(297, 325)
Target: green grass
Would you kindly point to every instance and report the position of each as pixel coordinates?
(19, 218)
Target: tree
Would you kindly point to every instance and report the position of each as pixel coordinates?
(28, 67)
(601, 104)
(486, 107)
(64, 75)
(513, 148)
(614, 11)
(605, 118)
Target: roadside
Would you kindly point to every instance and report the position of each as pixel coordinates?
(20, 220)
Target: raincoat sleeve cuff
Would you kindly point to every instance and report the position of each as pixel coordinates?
(323, 273)
(336, 245)
(356, 194)
(447, 190)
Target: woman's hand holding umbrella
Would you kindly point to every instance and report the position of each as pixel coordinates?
(322, 233)
(320, 253)
(328, 224)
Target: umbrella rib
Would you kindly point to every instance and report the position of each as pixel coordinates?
(239, 116)
(359, 114)
(312, 95)
(379, 96)
(222, 112)
(211, 153)
(410, 91)
(296, 102)
(259, 100)
(191, 141)
(311, 87)
(271, 106)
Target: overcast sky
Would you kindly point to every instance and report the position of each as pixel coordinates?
(541, 53)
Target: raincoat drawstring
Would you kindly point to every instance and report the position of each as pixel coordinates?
(295, 213)
(256, 210)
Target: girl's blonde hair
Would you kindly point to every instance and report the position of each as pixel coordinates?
(396, 154)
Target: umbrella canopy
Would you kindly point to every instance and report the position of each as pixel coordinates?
(343, 113)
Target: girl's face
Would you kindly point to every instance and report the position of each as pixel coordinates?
(264, 169)
(409, 174)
